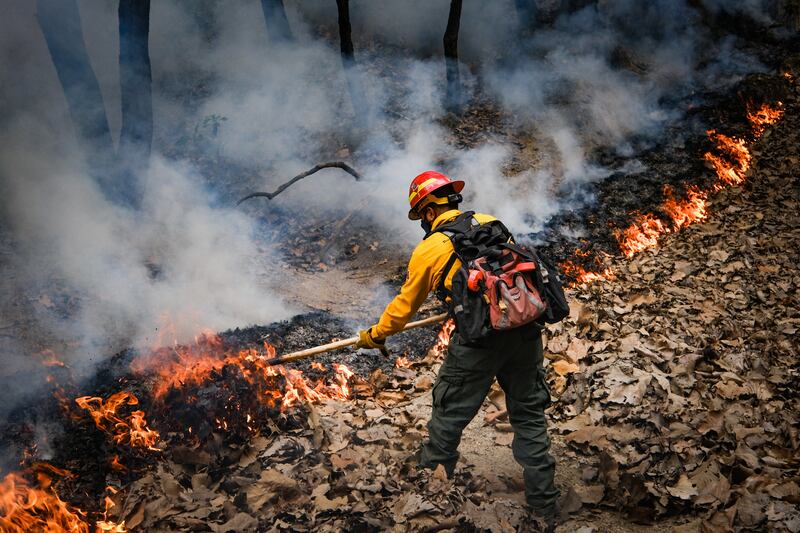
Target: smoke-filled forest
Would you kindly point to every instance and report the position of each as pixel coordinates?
(218, 311)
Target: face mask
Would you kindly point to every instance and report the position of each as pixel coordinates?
(426, 226)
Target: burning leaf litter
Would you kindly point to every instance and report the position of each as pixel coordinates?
(25, 508)
(675, 409)
(133, 431)
(677, 382)
(731, 161)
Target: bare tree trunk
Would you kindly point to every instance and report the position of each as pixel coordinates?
(276, 21)
(453, 98)
(61, 25)
(136, 134)
(349, 62)
(526, 14)
(345, 31)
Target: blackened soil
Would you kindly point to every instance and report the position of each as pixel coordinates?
(75, 444)
(317, 328)
(674, 159)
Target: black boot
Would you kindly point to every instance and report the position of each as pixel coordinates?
(544, 519)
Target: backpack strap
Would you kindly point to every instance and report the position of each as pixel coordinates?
(460, 225)
(440, 291)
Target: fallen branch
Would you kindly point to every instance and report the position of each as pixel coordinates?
(334, 164)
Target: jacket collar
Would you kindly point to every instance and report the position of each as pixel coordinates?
(445, 217)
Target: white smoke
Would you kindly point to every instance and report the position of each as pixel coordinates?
(596, 78)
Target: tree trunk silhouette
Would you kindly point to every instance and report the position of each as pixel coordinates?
(136, 98)
(526, 14)
(276, 21)
(60, 23)
(349, 62)
(453, 97)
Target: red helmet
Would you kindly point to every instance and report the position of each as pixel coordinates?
(425, 184)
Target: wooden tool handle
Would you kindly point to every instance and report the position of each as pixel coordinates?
(309, 352)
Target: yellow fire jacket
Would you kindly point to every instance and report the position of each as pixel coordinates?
(424, 273)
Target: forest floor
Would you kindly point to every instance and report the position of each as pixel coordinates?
(674, 386)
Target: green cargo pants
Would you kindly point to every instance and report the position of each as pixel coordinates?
(515, 358)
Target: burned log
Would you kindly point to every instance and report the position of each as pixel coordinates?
(334, 164)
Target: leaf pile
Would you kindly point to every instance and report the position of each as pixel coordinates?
(351, 466)
(680, 377)
(676, 381)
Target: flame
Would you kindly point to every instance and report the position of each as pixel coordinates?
(134, 431)
(49, 358)
(402, 362)
(181, 366)
(647, 229)
(443, 338)
(642, 234)
(105, 524)
(764, 116)
(686, 211)
(40, 466)
(24, 508)
(581, 275)
(343, 375)
(731, 160)
(117, 465)
(733, 163)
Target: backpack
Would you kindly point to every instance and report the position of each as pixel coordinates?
(500, 285)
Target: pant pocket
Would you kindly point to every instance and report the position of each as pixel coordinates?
(439, 393)
(545, 387)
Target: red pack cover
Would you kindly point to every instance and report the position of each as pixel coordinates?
(512, 297)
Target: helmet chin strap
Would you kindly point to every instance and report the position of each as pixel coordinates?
(452, 199)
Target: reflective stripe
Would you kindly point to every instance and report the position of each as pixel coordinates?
(420, 188)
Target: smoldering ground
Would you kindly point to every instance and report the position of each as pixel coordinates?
(609, 75)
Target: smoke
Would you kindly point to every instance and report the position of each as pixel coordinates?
(605, 76)
(109, 277)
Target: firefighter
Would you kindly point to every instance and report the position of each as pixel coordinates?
(514, 356)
